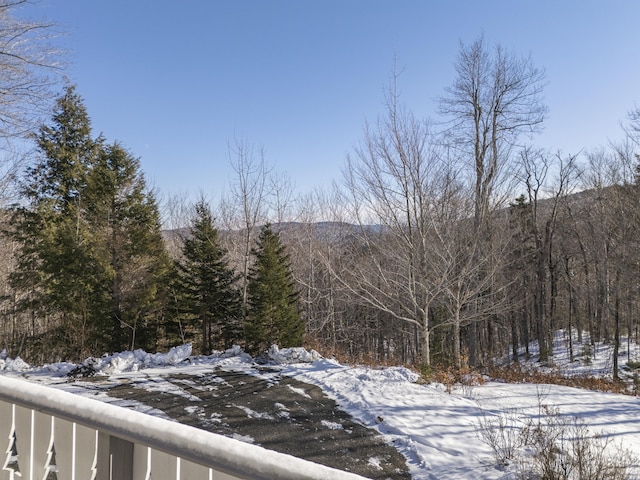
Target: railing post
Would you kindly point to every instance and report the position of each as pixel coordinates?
(115, 458)
(103, 457)
(121, 453)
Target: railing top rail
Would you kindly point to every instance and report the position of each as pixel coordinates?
(221, 453)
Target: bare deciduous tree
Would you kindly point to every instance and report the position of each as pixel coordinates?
(632, 130)
(535, 166)
(389, 183)
(495, 99)
(29, 66)
(246, 206)
(281, 191)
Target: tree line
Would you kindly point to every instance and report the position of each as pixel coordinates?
(446, 242)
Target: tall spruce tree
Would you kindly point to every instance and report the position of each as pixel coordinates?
(128, 240)
(273, 315)
(209, 295)
(92, 255)
(55, 264)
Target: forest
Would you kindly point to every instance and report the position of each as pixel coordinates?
(446, 242)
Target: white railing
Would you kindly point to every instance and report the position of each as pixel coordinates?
(44, 429)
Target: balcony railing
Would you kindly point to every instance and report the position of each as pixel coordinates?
(44, 430)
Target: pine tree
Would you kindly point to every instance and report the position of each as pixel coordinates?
(273, 315)
(209, 297)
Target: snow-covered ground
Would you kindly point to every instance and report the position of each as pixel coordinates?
(437, 431)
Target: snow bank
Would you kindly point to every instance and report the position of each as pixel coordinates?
(291, 356)
(106, 365)
(11, 365)
(134, 361)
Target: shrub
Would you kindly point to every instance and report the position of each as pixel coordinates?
(515, 373)
(451, 377)
(502, 433)
(554, 447)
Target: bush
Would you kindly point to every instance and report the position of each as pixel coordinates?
(515, 373)
(564, 449)
(450, 377)
(502, 433)
(554, 447)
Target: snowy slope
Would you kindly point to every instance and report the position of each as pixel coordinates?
(435, 430)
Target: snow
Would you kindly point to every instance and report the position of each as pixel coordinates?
(252, 413)
(332, 425)
(108, 364)
(282, 410)
(437, 431)
(292, 355)
(299, 391)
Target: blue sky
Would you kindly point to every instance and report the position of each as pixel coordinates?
(176, 81)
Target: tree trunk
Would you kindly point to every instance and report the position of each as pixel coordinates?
(514, 338)
(456, 338)
(616, 340)
(425, 349)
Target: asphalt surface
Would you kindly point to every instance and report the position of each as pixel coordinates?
(278, 413)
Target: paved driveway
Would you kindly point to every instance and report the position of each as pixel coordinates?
(278, 413)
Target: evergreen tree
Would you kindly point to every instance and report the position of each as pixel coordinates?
(273, 315)
(128, 241)
(207, 283)
(92, 257)
(55, 264)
